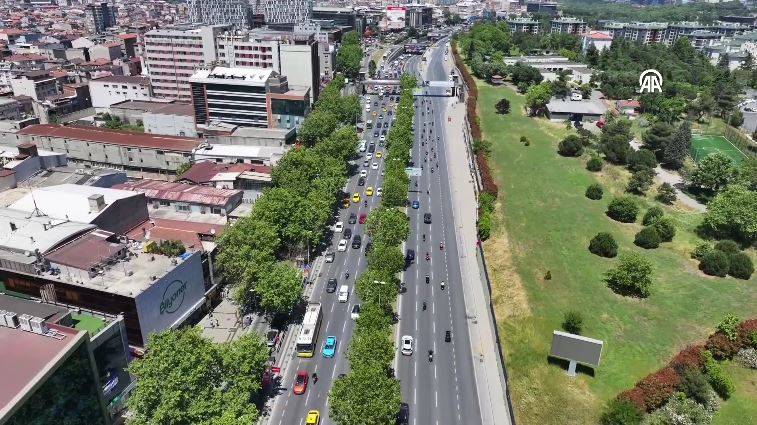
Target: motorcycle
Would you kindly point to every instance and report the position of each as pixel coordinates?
(441, 246)
(443, 286)
(428, 257)
(430, 356)
(346, 275)
(365, 203)
(424, 305)
(428, 279)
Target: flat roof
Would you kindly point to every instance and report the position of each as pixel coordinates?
(234, 75)
(142, 105)
(239, 151)
(69, 201)
(122, 79)
(18, 305)
(592, 107)
(27, 358)
(181, 192)
(87, 251)
(35, 232)
(113, 137)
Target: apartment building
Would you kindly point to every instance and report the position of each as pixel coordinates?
(236, 13)
(173, 54)
(99, 17)
(283, 11)
(38, 85)
(107, 91)
(292, 54)
(526, 25)
(567, 25)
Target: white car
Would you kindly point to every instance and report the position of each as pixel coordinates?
(407, 345)
(344, 293)
(363, 173)
(374, 166)
(342, 246)
(355, 313)
(369, 156)
(338, 227)
(379, 191)
(382, 138)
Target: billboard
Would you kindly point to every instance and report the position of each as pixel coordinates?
(173, 297)
(395, 17)
(576, 348)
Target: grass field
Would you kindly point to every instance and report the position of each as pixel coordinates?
(544, 223)
(741, 408)
(704, 144)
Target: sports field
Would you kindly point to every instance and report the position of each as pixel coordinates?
(704, 144)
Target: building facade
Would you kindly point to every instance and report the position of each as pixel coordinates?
(566, 25)
(107, 91)
(100, 16)
(236, 13)
(283, 11)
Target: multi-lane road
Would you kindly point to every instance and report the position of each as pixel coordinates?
(442, 391)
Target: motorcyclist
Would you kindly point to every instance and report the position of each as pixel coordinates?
(442, 285)
(430, 356)
(428, 279)
(365, 203)
(347, 275)
(424, 237)
(315, 377)
(428, 256)
(424, 305)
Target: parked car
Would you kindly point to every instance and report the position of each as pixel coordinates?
(338, 227)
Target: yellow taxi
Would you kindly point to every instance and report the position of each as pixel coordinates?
(369, 191)
(379, 154)
(313, 418)
(356, 197)
(346, 203)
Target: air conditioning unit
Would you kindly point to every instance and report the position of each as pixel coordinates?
(38, 325)
(2, 318)
(11, 319)
(25, 321)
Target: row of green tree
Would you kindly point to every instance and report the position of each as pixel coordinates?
(349, 57)
(369, 394)
(289, 221)
(593, 11)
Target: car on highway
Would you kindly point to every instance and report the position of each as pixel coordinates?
(381, 116)
(331, 285)
(346, 203)
(376, 133)
(383, 132)
(300, 382)
(386, 124)
(313, 418)
(271, 337)
(369, 156)
(329, 257)
(363, 173)
(382, 138)
(369, 190)
(344, 294)
(407, 345)
(329, 347)
(379, 191)
(352, 219)
(409, 256)
(403, 417)
(363, 218)
(372, 147)
(361, 181)
(342, 246)
(355, 313)
(357, 242)
(347, 234)
(427, 218)
(338, 227)
(366, 163)
(356, 197)
(416, 205)
(447, 336)
(379, 154)
(374, 166)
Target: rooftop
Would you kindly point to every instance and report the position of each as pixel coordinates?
(234, 75)
(68, 201)
(593, 107)
(238, 151)
(88, 250)
(25, 233)
(142, 105)
(113, 137)
(180, 192)
(123, 79)
(206, 171)
(195, 236)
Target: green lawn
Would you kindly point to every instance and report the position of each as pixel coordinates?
(545, 224)
(89, 323)
(741, 408)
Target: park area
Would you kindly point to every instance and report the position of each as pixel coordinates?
(543, 226)
(705, 144)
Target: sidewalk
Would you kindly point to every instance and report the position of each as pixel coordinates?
(489, 372)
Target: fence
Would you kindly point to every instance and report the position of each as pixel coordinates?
(741, 141)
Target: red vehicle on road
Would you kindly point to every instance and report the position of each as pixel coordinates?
(362, 219)
(300, 382)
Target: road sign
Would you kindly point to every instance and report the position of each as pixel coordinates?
(413, 171)
(576, 349)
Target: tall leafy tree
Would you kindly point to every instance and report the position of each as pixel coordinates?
(615, 140)
(733, 214)
(366, 396)
(280, 289)
(317, 126)
(675, 152)
(388, 226)
(386, 258)
(187, 379)
(714, 172)
(537, 97)
(658, 136)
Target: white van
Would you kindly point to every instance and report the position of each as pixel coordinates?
(344, 293)
(363, 146)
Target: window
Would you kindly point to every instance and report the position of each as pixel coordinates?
(164, 203)
(182, 207)
(216, 210)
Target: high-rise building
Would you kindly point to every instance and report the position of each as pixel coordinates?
(283, 11)
(236, 13)
(100, 16)
(173, 54)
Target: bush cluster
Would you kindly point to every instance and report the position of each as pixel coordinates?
(604, 245)
(647, 238)
(652, 215)
(571, 146)
(594, 191)
(623, 209)
(573, 322)
(594, 164)
(725, 258)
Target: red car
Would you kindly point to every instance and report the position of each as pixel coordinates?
(362, 218)
(301, 382)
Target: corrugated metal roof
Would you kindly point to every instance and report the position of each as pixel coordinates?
(113, 137)
(181, 192)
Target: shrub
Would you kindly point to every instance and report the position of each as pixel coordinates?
(727, 246)
(748, 333)
(640, 181)
(503, 106)
(623, 209)
(721, 347)
(604, 245)
(621, 412)
(647, 238)
(642, 159)
(485, 225)
(594, 164)
(715, 263)
(652, 215)
(694, 384)
(525, 141)
(701, 250)
(486, 202)
(720, 382)
(633, 276)
(666, 193)
(571, 146)
(573, 322)
(657, 387)
(691, 357)
(680, 410)
(741, 266)
(665, 229)
(730, 326)
(594, 191)
(747, 357)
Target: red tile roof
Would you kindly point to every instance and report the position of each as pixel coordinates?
(113, 137)
(598, 35)
(126, 36)
(203, 195)
(188, 232)
(203, 172)
(25, 57)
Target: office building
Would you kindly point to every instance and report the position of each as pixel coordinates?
(542, 8)
(236, 13)
(345, 17)
(419, 17)
(566, 25)
(100, 16)
(173, 54)
(283, 11)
